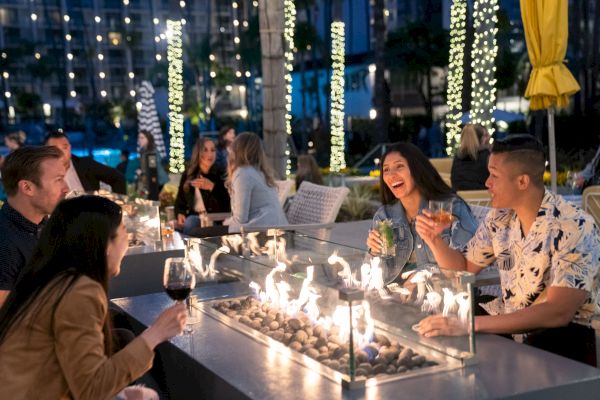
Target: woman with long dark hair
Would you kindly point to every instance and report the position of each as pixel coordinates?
(138, 169)
(201, 178)
(55, 333)
(226, 137)
(408, 182)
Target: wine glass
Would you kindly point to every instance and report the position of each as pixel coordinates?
(179, 280)
(441, 212)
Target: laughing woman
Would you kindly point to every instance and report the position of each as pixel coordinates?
(408, 181)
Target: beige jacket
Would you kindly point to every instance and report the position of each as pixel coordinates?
(61, 355)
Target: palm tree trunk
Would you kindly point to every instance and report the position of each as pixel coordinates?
(380, 95)
(272, 46)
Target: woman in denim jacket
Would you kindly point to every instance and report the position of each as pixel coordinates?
(408, 181)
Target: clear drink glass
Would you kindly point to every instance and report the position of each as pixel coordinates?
(441, 211)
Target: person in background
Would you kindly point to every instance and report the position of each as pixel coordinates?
(34, 178)
(308, 170)
(55, 335)
(253, 191)
(15, 140)
(84, 174)
(469, 168)
(408, 181)
(138, 170)
(590, 175)
(201, 178)
(122, 166)
(548, 256)
(226, 137)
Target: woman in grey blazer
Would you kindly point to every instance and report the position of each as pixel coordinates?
(254, 201)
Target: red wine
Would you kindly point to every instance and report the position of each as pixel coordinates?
(178, 292)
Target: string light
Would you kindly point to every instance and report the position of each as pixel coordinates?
(34, 17)
(483, 54)
(97, 19)
(103, 93)
(458, 34)
(102, 75)
(156, 21)
(289, 15)
(338, 53)
(175, 97)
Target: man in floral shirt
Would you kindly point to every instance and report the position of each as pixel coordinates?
(547, 251)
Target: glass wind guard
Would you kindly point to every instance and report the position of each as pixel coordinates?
(309, 319)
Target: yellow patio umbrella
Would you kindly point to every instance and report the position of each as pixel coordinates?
(551, 83)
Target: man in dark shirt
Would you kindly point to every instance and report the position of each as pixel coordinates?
(84, 173)
(34, 180)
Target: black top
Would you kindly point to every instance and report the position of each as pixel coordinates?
(469, 174)
(17, 242)
(216, 200)
(91, 173)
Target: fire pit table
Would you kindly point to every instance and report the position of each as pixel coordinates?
(299, 323)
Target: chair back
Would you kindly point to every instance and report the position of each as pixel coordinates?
(284, 188)
(479, 212)
(442, 165)
(316, 204)
(590, 201)
(476, 197)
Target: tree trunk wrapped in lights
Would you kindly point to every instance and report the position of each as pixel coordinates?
(458, 31)
(289, 10)
(175, 80)
(337, 160)
(485, 49)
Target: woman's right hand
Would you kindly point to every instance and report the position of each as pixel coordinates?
(180, 219)
(168, 324)
(374, 243)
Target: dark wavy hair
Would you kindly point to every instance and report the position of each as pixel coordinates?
(73, 244)
(221, 143)
(427, 180)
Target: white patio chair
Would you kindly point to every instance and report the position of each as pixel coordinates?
(284, 188)
(590, 202)
(314, 208)
(476, 197)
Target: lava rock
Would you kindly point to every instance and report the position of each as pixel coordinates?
(277, 336)
(417, 360)
(323, 350)
(274, 325)
(267, 320)
(324, 356)
(312, 353)
(321, 342)
(300, 336)
(295, 346)
(401, 369)
(361, 356)
(405, 356)
(319, 331)
(287, 338)
(295, 324)
(245, 320)
(379, 369)
(360, 372)
(381, 339)
(335, 364)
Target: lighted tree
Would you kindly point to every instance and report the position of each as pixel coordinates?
(483, 54)
(458, 19)
(337, 161)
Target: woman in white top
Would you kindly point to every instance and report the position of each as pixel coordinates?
(254, 201)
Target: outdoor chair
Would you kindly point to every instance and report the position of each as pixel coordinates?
(284, 188)
(476, 197)
(442, 165)
(591, 202)
(313, 208)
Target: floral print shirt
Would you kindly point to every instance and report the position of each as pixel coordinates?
(562, 249)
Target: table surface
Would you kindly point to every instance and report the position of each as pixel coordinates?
(504, 369)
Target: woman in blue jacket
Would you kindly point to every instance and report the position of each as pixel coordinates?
(408, 182)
